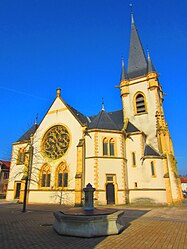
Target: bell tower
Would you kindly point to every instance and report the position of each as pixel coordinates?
(140, 89)
(142, 100)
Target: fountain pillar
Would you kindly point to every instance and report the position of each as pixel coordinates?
(89, 200)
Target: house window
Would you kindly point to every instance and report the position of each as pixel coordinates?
(140, 104)
(153, 169)
(133, 159)
(61, 176)
(6, 175)
(108, 147)
(45, 176)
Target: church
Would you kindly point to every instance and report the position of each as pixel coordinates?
(127, 155)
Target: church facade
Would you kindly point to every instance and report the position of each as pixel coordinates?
(127, 155)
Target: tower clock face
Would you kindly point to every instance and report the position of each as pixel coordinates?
(55, 142)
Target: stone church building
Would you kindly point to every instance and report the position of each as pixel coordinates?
(127, 155)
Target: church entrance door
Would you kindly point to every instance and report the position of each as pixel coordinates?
(110, 193)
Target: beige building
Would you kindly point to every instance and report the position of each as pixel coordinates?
(127, 155)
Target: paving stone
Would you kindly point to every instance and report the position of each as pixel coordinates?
(146, 228)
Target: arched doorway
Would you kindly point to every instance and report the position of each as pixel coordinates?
(110, 193)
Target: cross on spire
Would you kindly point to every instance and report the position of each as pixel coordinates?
(103, 107)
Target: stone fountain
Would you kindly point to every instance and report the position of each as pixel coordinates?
(88, 221)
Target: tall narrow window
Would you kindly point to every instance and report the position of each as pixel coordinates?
(153, 169)
(140, 103)
(111, 145)
(105, 147)
(61, 176)
(59, 179)
(133, 159)
(65, 179)
(21, 156)
(45, 179)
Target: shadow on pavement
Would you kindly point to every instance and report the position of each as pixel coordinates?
(33, 229)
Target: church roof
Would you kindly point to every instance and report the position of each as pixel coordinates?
(137, 63)
(117, 117)
(81, 117)
(131, 128)
(27, 134)
(104, 121)
(149, 151)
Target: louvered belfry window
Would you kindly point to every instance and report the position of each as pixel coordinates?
(140, 103)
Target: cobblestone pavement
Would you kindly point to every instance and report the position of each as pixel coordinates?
(164, 227)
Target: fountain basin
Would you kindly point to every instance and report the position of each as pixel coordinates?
(81, 223)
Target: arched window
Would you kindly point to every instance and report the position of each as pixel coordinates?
(111, 146)
(61, 176)
(108, 147)
(45, 176)
(105, 146)
(140, 103)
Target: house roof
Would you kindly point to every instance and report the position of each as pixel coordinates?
(5, 164)
(183, 179)
(149, 151)
(27, 134)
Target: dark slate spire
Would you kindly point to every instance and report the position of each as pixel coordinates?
(150, 66)
(137, 64)
(124, 75)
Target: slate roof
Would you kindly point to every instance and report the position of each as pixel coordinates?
(81, 117)
(103, 121)
(149, 151)
(124, 75)
(117, 117)
(137, 63)
(131, 128)
(27, 134)
(150, 66)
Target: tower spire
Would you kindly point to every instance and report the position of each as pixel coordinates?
(124, 75)
(137, 63)
(150, 66)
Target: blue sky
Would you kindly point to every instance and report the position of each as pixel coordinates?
(77, 45)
